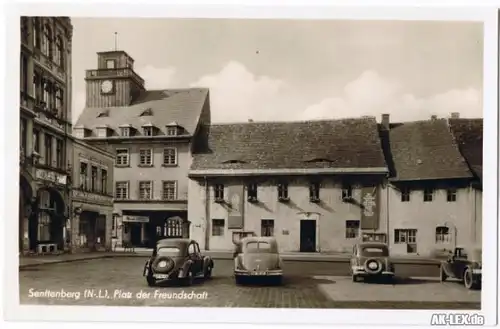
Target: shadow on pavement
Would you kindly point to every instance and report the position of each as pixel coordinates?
(398, 281)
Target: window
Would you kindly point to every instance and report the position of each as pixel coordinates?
(102, 132)
(24, 139)
(44, 221)
(146, 157)
(122, 157)
(282, 192)
(36, 141)
(351, 229)
(405, 236)
(104, 181)
(346, 192)
(37, 86)
(83, 175)
(110, 64)
(48, 150)
(428, 194)
(59, 57)
(147, 131)
(47, 41)
(146, 190)
(267, 227)
(36, 32)
(125, 131)
(451, 195)
(170, 156)
(169, 190)
(59, 101)
(59, 154)
(252, 192)
(24, 73)
(24, 30)
(314, 192)
(46, 93)
(442, 234)
(171, 131)
(405, 194)
(219, 192)
(218, 227)
(93, 181)
(121, 190)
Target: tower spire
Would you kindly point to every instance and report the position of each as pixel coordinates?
(116, 41)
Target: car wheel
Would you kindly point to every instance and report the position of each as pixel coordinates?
(442, 275)
(354, 278)
(469, 281)
(208, 272)
(151, 281)
(188, 280)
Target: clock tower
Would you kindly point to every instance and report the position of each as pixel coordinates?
(114, 82)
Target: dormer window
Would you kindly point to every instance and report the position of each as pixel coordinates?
(102, 131)
(171, 131)
(104, 113)
(125, 131)
(147, 129)
(147, 112)
(80, 131)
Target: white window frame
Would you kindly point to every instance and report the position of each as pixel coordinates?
(164, 194)
(402, 236)
(125, 131)
(352, 232)
(147, 188)
(122, 160)
(172, 131)
(125, 195)
(147, 131)
(144, 157)
(442, 235)
(451, 195)
(426, 193)
(102, 132)
(165, 156)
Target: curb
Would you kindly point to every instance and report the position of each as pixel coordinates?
(229, 257)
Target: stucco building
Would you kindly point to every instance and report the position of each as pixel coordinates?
(45, 133)
(152, 134)
(316, 186)
(92, 198)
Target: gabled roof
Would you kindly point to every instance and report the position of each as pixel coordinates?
(468, 135)
(183, 106)
(425, 150)
(346, 143)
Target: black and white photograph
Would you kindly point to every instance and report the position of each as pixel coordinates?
(243, 163)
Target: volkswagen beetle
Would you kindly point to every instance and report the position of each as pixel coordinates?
(464, 264)
(177, 260)
(257, 257)
(371, 260)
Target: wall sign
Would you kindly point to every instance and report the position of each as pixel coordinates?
(369, 208)
(51, 176)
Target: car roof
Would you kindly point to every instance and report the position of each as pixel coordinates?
(173, 242)
(269, 239)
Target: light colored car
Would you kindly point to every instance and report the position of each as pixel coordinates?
(371, 260)
(177, 260)
(464, 264)
(257, 257)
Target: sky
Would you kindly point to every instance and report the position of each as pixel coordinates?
(274, 70)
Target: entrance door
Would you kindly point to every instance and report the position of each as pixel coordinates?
(135, 234)
(308, 236)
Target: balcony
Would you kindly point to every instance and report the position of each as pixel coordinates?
(112, 73)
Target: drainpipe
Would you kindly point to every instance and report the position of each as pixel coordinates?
(387, 213)
(207, 214)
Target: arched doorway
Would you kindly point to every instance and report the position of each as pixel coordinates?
(25, 203)
(47, 219)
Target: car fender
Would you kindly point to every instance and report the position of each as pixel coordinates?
(185, 268)
(207, 261)
(147, 268)
(446, 266)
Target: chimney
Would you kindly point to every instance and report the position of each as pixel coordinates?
(455, 115)
(250, 120)
(385, 121)
(434, 117)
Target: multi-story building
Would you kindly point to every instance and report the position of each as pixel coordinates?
(152, 134)
(92, 198)
(316, 186)
(45, 130)
(325, 185)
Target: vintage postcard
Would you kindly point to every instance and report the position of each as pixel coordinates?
(329, 165)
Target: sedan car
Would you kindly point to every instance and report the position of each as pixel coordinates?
(257, 257)
(464, 264)
(177, 260)
(371, 260)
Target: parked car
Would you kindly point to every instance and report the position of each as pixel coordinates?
(464, 264)
(257, 257)
(371, 260)
(177, 260)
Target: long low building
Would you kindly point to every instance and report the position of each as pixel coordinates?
(322, 186)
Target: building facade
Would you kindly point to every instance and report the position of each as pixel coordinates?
(45, 131)
(92, 198)
(313, 197)
(152, 134)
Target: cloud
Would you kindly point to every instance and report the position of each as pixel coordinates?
(236, 94)
(157, 78)
(372, 94)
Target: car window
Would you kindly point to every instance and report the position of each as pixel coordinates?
(196, 248)
(191, 249)
(258, 246)
(375, 251)
(168, 251)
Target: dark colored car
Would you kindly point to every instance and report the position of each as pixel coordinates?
(177, 260)
(464, 264)
(371, 260)
(257, 257)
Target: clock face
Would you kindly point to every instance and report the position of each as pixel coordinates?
(107, 86)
